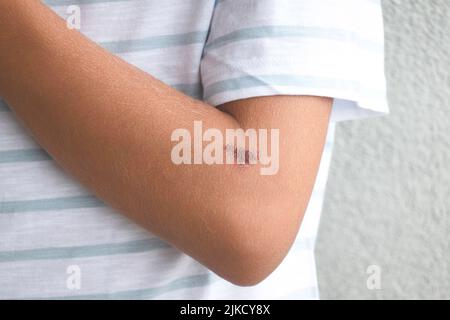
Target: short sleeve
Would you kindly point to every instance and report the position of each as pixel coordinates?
(331, 48)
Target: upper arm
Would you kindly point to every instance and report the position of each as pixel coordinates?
(272, 206)
(296, 49)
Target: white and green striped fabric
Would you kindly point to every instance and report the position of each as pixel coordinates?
(217, 51)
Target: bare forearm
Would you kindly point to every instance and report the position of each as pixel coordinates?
(109, 124)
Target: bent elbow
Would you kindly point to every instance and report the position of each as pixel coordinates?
(260, 245)
(248, 274)
(252, 265)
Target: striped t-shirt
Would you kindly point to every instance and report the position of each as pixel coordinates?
(59, 241)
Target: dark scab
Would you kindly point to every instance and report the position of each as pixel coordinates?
(242, 156)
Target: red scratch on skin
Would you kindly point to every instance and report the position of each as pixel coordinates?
(242, 157)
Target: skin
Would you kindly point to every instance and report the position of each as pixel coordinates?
(109, 125)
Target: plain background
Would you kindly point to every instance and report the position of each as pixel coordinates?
(388, 197)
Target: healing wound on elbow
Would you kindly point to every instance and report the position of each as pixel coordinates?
(240, 156)
(250, 148)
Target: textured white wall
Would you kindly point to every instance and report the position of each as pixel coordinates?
(388, 198)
